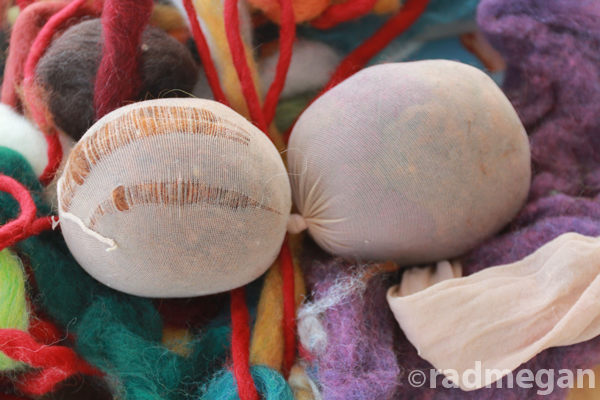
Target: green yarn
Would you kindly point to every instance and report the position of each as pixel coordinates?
(270, 385)
(13, 310)
(288, 110)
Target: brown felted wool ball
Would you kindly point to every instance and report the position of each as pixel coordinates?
(68, 69)
(174, 198)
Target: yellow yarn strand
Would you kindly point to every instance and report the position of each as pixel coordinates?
(267, 346)
(213, 25)
(13, 302)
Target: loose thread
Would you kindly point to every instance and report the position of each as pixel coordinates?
(287, 36)
(357, 59)
(204, 51)
(56, 363)
(118, 79)
(232, 31)
(240, 345)
(338, 13)
(289, 307)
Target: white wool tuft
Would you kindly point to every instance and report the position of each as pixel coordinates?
(20, 135)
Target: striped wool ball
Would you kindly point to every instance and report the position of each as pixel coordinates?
(174, 198)
(411, 162)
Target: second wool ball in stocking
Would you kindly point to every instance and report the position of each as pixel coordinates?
(174, 198)
(411, 162)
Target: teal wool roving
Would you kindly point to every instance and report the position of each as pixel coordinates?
(270, 385)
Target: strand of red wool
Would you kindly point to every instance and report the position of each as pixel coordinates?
(118, 79)
(38, 47)
(338, 13)
(287, 36)
(357, 59)
(240, 345)
(289, 307)
(44, 331)
(25, 30)
(263, 117)
(56, 363)
(25, 225)
(204, 51)
(232, 31)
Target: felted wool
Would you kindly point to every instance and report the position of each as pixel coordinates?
(68, 69)
(312, 65)
(211, 18)
(288, 110)
(14, 310)
(268, 343)
(413, 162)
(347, 36)
(17, 133)
(118, 333)
(358, 361)
(553, 46)
(174, 198)
(270, 385)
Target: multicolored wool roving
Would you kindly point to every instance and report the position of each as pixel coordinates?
(314, 325)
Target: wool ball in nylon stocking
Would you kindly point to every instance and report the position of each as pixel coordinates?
(412, 162)
(174, 198)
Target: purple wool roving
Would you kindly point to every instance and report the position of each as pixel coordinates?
(552, 50)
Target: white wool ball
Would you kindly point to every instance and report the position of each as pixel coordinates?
(20, 135)
(174, 198)
(312, 65)
(412, 162)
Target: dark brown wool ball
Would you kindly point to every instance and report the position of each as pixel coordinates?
(68, 69)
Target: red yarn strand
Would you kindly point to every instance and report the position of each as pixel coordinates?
(287, 36)
(289, 307)
(25, 225)
(118, 79)
(338, 13)
(353, 62)
(232, 31)
(56, 363)
(240, 345)
(24, 33)
(42, 41)
(408, 14)
(204, 51)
